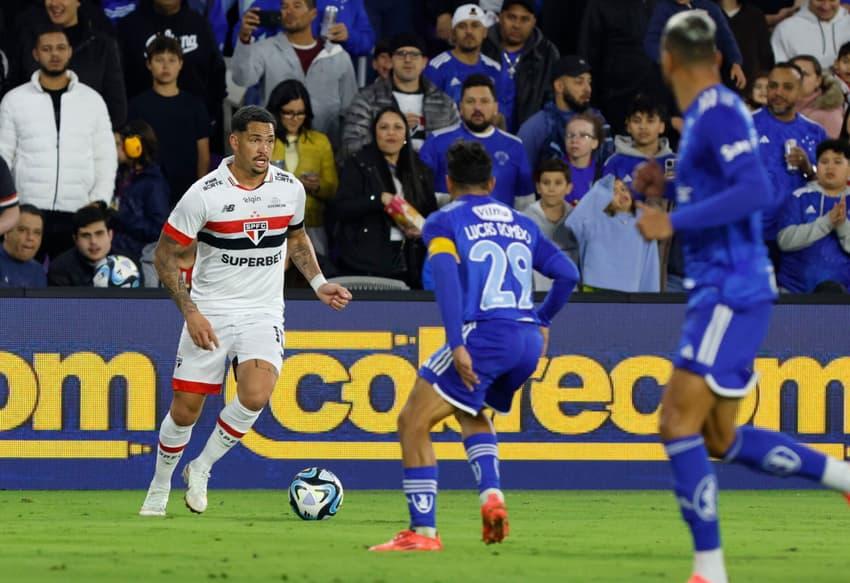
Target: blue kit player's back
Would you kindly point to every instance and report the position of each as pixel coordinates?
(497, 251)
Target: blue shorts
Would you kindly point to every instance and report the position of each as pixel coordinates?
(504, 354)
(720, 343)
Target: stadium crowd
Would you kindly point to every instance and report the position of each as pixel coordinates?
(111, 109)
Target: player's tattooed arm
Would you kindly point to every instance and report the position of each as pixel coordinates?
(302, 254)
(168, 257)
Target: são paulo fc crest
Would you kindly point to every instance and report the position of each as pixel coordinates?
(255, 230)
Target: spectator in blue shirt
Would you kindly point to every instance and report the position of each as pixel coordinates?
(478, 112)
(814, 233)
(645, 126)
(581, 142)
(17, 266)
(788, 167)
(725, 39)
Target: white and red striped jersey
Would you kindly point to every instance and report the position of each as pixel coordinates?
(241, 237)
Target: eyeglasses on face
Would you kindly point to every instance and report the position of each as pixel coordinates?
(292, 114)
(407, 54)
(580, 136)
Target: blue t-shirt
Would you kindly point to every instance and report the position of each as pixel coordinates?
(448, 74)
(623, 166)
(26, 274)
(498, 250)
(824, 260)
(725, 260)
(773, 134)
(582, 179)
(510, 164)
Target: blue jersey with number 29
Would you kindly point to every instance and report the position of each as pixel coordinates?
(497, 250)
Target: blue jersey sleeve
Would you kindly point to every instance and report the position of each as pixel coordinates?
(443, 258)
(724, 134)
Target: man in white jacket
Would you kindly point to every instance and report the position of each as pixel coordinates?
(818, 29)
(56, 136)
(322, 66)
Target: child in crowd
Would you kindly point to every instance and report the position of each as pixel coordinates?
(582, 139)
(645, 126)
(756, 97)
(612, 254)
(814, 233)
(551, 210)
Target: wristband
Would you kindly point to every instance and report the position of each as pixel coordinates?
(318, 282)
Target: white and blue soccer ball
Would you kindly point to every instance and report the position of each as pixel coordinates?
(315, 494)
(117, 271)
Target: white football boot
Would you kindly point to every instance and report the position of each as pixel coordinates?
(155, 501)
(196, 488)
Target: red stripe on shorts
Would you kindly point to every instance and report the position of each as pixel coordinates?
(195, 387)
(229, 429)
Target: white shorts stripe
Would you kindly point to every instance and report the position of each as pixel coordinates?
(710, 345)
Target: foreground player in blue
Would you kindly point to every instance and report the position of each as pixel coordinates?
(721, 188)
(483, 256)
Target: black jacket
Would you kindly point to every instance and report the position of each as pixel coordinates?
(70, 269)
(95, 59)
(533, 78)
(362, 235)
(203, 66)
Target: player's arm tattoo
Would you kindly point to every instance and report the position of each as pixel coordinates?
(302, 254)
(167, 263)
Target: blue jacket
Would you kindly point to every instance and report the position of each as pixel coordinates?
(542, 134)
(26, 274)
(143, 208)
(665, 9)
(612, 253)
(813, 251)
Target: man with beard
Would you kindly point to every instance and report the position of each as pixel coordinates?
(525, 54)
(56, 136)
(479, 109)
(450, 69)
(324, 68)
(543, 133)
(427, 108)
(788, 143)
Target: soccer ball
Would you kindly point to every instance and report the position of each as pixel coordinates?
(315, 494)
(116, 271)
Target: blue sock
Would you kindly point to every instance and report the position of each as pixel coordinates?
(483, 453)
(420, 489)
(696, 489)
(775, 453)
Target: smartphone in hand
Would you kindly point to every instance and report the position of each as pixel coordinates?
(270, 18)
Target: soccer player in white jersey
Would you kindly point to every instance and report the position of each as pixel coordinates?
(242, 216)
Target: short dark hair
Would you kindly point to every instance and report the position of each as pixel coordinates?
(553, 165)
(478, 80)
(286, 91)
(469, 164)
(49, 28)
(88, 215)
(689, 36)
(790, 67)
(248, 114)
(838, 146)
(843, 51)
(162, 43)
(31, 209)
(809, 59)
(647, 105)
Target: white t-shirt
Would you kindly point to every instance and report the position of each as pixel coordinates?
(413, 103)
(241, 237)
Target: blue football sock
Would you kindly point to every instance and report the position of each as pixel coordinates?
(696, 489)
(483, 453)
(775, 453)
(420, 489)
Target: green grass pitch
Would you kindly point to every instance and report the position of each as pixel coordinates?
(97, 537)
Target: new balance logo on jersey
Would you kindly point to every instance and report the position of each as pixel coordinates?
(255, 230)
(810, 210)
(228, 208)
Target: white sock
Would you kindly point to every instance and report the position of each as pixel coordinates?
(172, 441)
(710, 566)
(483, 496)
(836, 475)
(234, 421)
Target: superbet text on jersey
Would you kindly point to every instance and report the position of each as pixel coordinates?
(241, 239)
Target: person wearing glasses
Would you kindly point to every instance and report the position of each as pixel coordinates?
(582, 140)
(306, 153)
(425, 106)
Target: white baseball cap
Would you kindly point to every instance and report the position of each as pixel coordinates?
(470, 12)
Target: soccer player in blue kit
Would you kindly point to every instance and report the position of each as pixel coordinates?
(483, 255)
(721, 187)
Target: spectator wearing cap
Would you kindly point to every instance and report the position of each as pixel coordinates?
(449, 69)
(382, 60)
(426, 108)
(818, 29)
(542, 134)
(726, 43)
(18, 267)
(525, 54)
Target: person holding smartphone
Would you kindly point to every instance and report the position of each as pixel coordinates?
(306, 153)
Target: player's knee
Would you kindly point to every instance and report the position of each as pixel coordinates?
(254, 402)
(670, 424)
(184, 415)
(718, 442)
